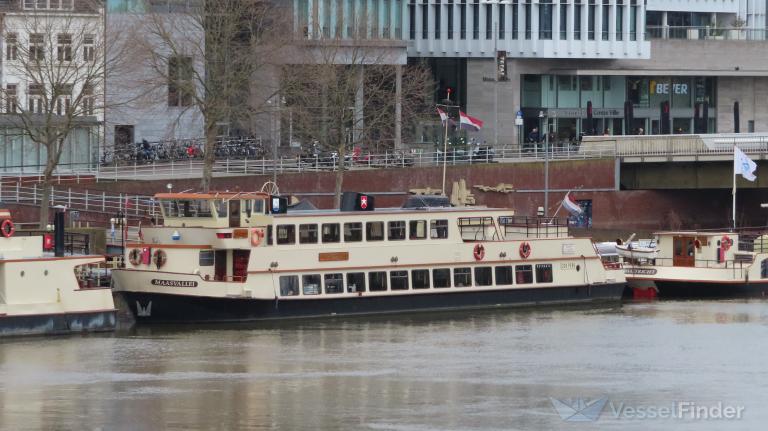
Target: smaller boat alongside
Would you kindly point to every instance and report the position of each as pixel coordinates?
(42, 293)
(692, 264)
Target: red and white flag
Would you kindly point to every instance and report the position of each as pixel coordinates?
(444, 118)
(571, 205)
(469, 123)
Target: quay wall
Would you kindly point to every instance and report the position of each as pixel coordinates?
(593, 180)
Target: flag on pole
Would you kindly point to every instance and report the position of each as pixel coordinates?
(571, 205)
(444, 118)
(743, 165)
(469, 123)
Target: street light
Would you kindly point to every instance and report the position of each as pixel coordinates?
(544, 120)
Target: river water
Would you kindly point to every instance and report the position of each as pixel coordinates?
(479, 370)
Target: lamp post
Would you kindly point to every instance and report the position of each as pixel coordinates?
(119, 222)
(545, 122)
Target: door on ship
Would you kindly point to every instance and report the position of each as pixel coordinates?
(684, 251)
(234, 213)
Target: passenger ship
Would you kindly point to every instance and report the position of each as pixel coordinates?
(690, 264)
(245, 256)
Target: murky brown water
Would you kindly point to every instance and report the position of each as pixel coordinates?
(469, 371)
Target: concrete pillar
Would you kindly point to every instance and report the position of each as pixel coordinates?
(664, 26)
(599, 24)
(398, 106)
(555, 22)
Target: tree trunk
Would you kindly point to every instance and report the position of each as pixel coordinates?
(45, 199)
(339, 174)
(209, 158)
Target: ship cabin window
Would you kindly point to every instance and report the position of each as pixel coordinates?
(353, 232)
(462, 277)
(764, 268)
(441, 277)
(438, 229)
(269, 234)
(221, 207)
(396, 230)
(286, 234)
(483, 276)
(544, 273)
(311, 284)
(252, 206)
(355, 282)
(331, 232)
(187, 208)
(307, 234)
(398, 280)
(503, 275)
(206, 258)
(420, 278)
(417, 229)
(289, 285)
(377, 281)
(374, 231)
(523, 274)
(334, 283)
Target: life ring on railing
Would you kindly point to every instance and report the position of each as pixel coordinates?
(134, 257)
(525, 250)
(7, 228)
(160, 258)
(479, 252)
(256, 236)
(725, 243)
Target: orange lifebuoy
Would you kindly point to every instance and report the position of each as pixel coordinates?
(256, 236)
(135, 257)
(479, 252)
(7, 228)
(525, 250)
(725, 243)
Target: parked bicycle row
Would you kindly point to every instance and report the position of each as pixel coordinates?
(146, 152)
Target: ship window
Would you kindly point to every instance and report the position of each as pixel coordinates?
(523, 274)
(286, 234)
(503, 275)
(331, 232)
(356, 282)
(398, 280)
(417, 229)
(258, 206)
(420, 278)
(764, 268)
(188, 208)
(462, 277)
(253, 206)
(334, 283)
(483, 276)
(441, 277)
(374, 231)
(396, 230)
(311, 284)
(377, 281)
(353, 232)
(438, 229)
(544, 273)
(221, 207)
(269, 235)
(206, 258)
(307, 234)
(289, 285)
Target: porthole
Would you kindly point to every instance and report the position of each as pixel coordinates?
(22, 273)
(578, 268)
(45, 272)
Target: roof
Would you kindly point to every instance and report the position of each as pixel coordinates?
(212, 195)
(695, 233)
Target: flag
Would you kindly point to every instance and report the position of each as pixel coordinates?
(444, 117)
(469, 123)
(743, 165)
(571, 205)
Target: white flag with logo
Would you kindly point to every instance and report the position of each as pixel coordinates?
(743, 165)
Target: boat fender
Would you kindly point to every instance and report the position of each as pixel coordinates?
(256, 236)
(160, 258)
(479, 252)
(135, 257)
(7, 228)
(525, 250)
(725, 243)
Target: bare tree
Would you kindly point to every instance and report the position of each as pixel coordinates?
(208, 55)
(56, 67)
(346, 94)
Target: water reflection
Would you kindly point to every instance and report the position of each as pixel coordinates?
(449, 371)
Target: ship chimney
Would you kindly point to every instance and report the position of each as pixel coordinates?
(58, 231)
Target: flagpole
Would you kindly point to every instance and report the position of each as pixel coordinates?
(734, 190)
(445, 154)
